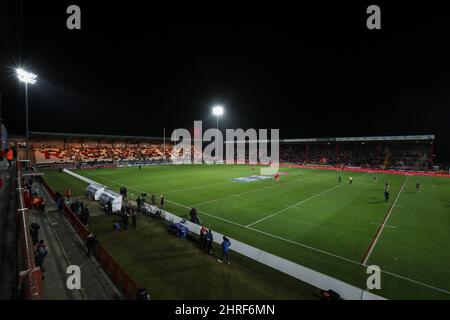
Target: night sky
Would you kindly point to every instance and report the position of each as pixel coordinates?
(311, 71)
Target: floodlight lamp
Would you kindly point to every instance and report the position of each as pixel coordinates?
(25, 76)
(217, 111)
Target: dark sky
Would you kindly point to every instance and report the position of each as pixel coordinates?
(311, 71)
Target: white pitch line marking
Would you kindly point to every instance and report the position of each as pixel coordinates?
(383, 224)
(245, 192)
(300, 202)
(195, 188)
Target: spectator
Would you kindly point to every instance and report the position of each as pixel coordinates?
(41, 253)
(162, 202)
(10, 157)
(209, 241)
(85, 215)
(35, 201)
(109, 204)
(80, 209)
(91, 242)
(153, 200)
(34, 232)
(73, 206)
(41, 206)
(386, 196)
(68, 194)
(59, 201)
(139, 204)
(125, 217)
(203, 233)
(225, 248)
(194, 216)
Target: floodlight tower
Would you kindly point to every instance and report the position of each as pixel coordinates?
(217, 111)
(26, 77)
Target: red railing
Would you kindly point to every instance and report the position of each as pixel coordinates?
(119, 277)
(30, 277)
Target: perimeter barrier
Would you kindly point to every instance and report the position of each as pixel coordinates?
(30, 276)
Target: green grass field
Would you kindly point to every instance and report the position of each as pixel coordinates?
(310, 218)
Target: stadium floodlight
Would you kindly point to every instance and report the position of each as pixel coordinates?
(26, 77)
(217, 111)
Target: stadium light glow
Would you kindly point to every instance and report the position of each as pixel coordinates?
(217, 110)
(25, 76)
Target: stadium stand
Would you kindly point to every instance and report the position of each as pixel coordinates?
(107, 153)
(400, 153)
(411, 153)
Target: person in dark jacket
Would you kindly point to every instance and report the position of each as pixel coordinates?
(59, 202)
(86, 215)
(10, 157)
(139, 204)
(91, 242)
(34, 232)
(125, 217)
(203, 233)
(109, 204)
(209, 241)
(225, 248)
(162, 202)
(41, 253)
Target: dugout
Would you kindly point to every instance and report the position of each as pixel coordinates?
(93, 191)
(116, 199)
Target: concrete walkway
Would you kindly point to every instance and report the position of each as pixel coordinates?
(67, 248)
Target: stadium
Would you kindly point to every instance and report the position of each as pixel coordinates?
(311, 218)
(107, 191)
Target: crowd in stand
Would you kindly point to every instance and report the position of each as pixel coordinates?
(374, 155)
(88, 153)
(362, 155)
